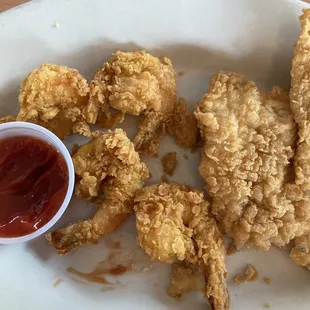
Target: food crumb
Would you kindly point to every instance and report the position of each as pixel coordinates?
(56, 25)
(185, 156)
(267, 280)
(181, 73)
(231, 249)
(169, 162)
(164, 179)
(58, 282)
(238, 279)
(268, 305)
(249, 275)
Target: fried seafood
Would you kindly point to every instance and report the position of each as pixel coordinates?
(7, 119)
(138, 84)
(56, 97)
(109, 171)
(173, 223)
(300, 104)
(249, 139)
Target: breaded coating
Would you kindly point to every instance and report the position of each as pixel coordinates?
(300, 101)
(109, 171)
(7, 119)
(173, 223)
(56, 97)
(300, 105)
(300, 253)
(183, 125)
(249, 139)
(137, 83)
(184, 278)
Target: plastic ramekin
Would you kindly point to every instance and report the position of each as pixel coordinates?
(14, 129)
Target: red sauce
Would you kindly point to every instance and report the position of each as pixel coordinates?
(97, 275)
(33, 184)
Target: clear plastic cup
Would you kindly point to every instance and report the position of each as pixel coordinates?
(14, 129)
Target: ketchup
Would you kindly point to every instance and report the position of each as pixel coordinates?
(33, 184)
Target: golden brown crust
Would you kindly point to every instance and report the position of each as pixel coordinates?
(174, 224)
(108, 171)
(300, 105)
(56, 97)
(249, 137)
(300, 101)
(184, 278)
(7, 119)
(300, 253)
(137, 83)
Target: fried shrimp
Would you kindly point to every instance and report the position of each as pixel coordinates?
(174, 223)
(56, 97)
(138, 84)
(110, 172)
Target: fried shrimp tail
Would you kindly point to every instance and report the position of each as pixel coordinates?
(109, 171)
(174, 223)
(106, 220)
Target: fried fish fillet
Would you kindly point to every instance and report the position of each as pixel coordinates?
(110, 172)
(300, 104)
(174, 223)
(56, 97)
(137, 83)
(249, 140)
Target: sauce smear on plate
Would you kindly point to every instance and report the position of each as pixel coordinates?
(33, 184)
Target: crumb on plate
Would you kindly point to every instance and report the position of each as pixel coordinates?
(267, 280)
(169, 162)
(249, 275)
(231, 249)
(185, 156)
(58, 282)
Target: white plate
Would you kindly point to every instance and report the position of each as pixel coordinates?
(201, 37)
